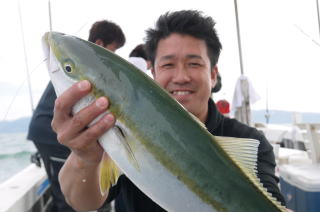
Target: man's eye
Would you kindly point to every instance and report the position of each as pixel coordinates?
(194, 64)
(168, 65)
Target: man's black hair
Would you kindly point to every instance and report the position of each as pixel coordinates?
(139, 51)
(185, 22)
(108, 32)
(218, 85)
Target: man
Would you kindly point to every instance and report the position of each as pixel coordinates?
(138, 57)
(106, 34)
(184, 50)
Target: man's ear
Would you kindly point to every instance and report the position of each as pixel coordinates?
(214, 74)
(153, 72)
(99, 42)
(149, 65)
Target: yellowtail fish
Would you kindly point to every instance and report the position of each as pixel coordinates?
(156, 143)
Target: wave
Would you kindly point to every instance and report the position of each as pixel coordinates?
(15, 155)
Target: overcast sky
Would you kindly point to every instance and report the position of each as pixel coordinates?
(279, 55)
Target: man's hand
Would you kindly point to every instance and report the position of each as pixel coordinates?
(72, 130)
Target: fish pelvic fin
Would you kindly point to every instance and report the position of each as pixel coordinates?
(109, 174)
(244, 152)
(124, 138)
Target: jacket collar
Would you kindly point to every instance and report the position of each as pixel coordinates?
(214, 118)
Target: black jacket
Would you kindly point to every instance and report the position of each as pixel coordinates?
(40, 130)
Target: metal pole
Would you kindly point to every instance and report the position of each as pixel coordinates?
(267, 115)
(245, 109)
(317, 1)
(50, 19)
(238, 35)
(26, 59)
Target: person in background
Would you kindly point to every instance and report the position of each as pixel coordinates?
(138, 57)
(106, 34)
(223, 107)
(184, 49)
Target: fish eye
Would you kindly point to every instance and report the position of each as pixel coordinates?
(68, 68)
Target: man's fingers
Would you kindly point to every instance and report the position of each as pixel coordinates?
(82, 119)
(65, 102)
(93, 133)
(74, 130)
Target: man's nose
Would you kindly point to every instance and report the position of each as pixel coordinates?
(181, 75)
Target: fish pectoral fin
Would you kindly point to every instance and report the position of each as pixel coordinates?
(109, 174)
(244, 152)
(125, 141)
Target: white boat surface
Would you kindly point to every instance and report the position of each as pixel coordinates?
(26, 191)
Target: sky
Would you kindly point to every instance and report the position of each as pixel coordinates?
(279, 38)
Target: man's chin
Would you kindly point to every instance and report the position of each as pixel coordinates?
(186, 106)
(182, 103)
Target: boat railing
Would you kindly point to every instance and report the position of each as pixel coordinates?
(312, 133)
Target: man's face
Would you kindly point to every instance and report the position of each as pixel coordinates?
(182, 67)
(112, 46)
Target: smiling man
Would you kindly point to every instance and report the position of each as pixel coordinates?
(184, 49)
(183, 68)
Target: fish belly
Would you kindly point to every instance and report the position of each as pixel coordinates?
(151, 177)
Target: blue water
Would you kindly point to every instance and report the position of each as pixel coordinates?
(15, 154)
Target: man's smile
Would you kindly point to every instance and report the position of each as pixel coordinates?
(180, 93)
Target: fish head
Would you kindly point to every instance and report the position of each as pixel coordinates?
(62, 65)
(71, 59)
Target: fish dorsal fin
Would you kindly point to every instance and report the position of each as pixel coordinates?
(109, 174)
(244, 152)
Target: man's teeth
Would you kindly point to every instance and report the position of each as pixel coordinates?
(181, 92)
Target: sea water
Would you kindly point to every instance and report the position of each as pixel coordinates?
(15, 152)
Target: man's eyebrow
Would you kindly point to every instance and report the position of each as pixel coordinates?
(171, 56)
(191, 56)
(167, 57)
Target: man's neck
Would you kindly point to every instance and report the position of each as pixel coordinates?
(203, 116)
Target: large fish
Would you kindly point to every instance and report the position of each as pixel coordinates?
(156, 143)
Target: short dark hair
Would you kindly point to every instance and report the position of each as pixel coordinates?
(218, 85)
(186, 22)
(139, 51)
(108, 32)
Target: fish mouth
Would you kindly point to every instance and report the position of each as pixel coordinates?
(45, 45)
